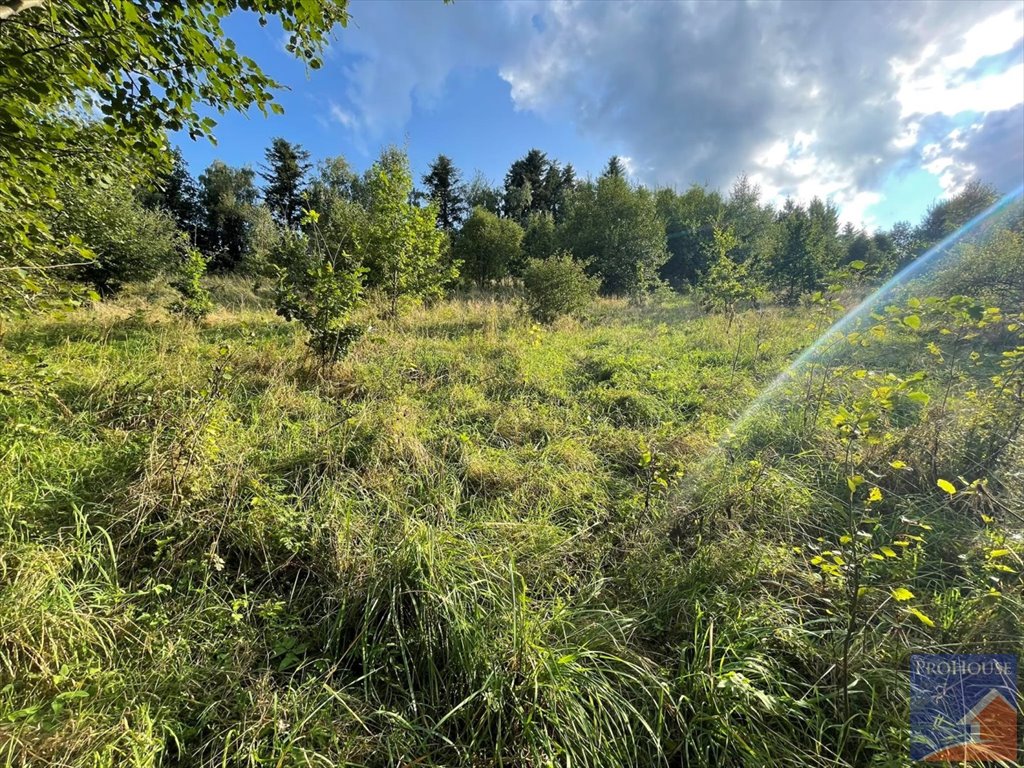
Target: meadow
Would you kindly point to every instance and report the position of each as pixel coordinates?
(479, 541)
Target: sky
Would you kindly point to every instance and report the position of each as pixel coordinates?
(881, 106)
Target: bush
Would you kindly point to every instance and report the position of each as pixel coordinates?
(488, 246)
(194, 302)
(130, 242)
(557, 286)
(319, 286)
(727, 283)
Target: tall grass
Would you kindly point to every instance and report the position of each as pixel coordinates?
(474, 542)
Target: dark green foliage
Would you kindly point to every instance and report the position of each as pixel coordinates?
(525, 187)
(445, 189)
(143, 69)
(534, 185)
(488, 247)
(947, 216)
(176, 192)
(559, 184)
(615, 228)
(690, 221)
(480, 193)
(903, 243)
(194, 301)
(129, 241)
(285, 174)
(806, 248)
(557, 285)
(752, 221)
(227, 196)
(615, 168)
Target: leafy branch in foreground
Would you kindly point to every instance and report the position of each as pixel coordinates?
(145, 67)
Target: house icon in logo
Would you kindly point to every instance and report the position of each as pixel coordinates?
(990, 733)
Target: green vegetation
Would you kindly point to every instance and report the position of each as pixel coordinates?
(670, 514)
(475, 541)
(194, 298)
(557, 285)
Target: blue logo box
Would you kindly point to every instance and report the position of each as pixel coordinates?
(963, 707)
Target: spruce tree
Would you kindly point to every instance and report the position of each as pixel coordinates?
(284, 173)
(444, 188)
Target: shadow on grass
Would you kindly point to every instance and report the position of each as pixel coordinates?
(52, 332)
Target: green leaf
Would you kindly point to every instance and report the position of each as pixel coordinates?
(947, 486)
(919, 397)
(857, 264)
(902, 594)
(912, 321)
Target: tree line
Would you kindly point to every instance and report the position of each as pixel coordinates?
(90, 193)
(632, 238)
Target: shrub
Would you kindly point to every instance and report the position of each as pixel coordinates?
(194, 302)
(130, 242)
(319, 286)
(488, 246)
(727, 283)
(557, 286)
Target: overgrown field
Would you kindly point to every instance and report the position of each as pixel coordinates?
(481, 542)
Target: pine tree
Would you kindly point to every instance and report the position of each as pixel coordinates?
(615, 169)
(284, 173)
(445, 189)
(527, 175)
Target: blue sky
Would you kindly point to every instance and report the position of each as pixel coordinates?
(883, 107)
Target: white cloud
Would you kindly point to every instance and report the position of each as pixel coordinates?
(344, 118)
(811, 98)
(933, 94)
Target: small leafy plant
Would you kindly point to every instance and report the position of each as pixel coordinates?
(194, 301)
(318, 285)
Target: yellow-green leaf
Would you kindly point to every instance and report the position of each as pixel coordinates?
(875, 494)
(998, 553)
(947, 486)
(898, 464)
(912, 321)
(924, 619)
(888, 551)
(902, 594)
(919, 397)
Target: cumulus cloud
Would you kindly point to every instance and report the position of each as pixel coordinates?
(810, 98)
(403, 52)
(991, 149)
